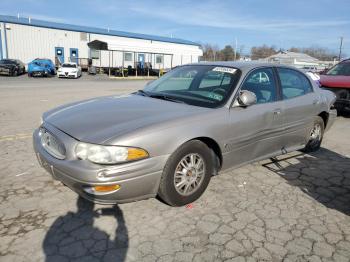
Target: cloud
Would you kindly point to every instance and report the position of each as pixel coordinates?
(213, 15)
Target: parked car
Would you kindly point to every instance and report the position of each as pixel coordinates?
(337, 79)
(12, 67)
(41, 67)
(69, 70)
(171, 137)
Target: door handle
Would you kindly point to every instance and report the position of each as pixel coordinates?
(277, 111)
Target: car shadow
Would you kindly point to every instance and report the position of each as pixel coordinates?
(74, 236)
(323, 175)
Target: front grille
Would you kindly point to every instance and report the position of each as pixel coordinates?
(51, 144)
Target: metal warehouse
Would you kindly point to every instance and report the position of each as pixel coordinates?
(27, 39)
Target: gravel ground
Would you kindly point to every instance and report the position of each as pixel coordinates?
(295, 208)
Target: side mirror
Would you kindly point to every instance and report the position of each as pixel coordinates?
(246, 98)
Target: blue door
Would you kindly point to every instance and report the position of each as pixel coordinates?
(141, 60)
(74, 55)
(59, 54)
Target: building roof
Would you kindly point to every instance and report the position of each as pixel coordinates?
(283, 55)
(92, 30)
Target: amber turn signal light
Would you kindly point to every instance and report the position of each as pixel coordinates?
(106, 188)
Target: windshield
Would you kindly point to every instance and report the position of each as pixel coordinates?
(342, 69)
(199, 85)
(6, 61)
(69, 65)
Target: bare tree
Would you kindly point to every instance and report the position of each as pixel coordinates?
(263, 51)
(210, 52)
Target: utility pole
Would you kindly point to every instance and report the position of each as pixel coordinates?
(340, 48)
(235, 48)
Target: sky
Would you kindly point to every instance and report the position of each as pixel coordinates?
(281, 23)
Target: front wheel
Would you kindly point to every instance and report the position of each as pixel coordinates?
(316, 136)
(187, 173)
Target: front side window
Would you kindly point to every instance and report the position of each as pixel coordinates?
(262, 83)
(293, 83)
(200, 85)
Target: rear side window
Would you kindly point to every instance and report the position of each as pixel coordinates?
(293, 83)
(262, 83)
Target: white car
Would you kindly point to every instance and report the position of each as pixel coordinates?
(69, 70)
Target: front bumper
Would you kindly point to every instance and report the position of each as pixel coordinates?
(67, 75)
(39, 73)
(342, 105)
(5, 71)
(137, 180)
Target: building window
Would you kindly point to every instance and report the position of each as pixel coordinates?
(127, 57)
(159, 59)
(95, 54)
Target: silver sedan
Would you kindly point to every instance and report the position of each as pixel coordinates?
(170, 138)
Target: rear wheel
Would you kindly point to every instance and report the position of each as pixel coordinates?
(316, 136)
(187, 173)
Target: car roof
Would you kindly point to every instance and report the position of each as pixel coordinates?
(244, 65)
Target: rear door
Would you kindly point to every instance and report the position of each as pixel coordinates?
(256, 130)
(300, 106)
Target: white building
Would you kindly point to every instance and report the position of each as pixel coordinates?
(27, 39)
(292, 58)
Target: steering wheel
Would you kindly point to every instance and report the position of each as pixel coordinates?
(220, 91)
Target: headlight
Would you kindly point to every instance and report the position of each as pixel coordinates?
(109, 154)
(74, 71)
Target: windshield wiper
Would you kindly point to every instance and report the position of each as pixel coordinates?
(142, 92)
(167, 98)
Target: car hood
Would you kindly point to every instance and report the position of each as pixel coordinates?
(36, 67)
(335, 81)
(100, 119)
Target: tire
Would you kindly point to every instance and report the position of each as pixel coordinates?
(316, 136)
(195, 179)
(15, 73)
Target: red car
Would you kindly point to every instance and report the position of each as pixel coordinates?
(337, 79)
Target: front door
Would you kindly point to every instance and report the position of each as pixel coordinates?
(74, 55)
(59, 55)
(256, 130)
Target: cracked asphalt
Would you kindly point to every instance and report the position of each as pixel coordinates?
(292, 208)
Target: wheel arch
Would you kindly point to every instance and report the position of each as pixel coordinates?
(213, 145)
(324, 115)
